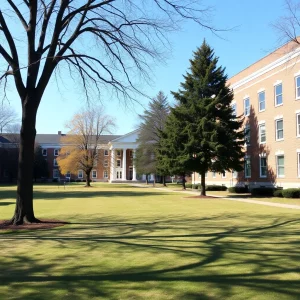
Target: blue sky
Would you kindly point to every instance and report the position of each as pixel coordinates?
(251, 38)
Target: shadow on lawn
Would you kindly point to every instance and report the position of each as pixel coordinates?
(62, 194)
(215, 258)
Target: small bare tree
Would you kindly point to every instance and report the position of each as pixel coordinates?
(8, 117)
(81, 146)
(101, 41)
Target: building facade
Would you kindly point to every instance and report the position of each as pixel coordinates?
(267, 95)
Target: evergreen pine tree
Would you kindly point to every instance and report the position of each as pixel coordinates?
(214, 139)
(153, 122)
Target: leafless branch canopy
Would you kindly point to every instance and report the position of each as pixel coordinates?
(288, 26)
(103, 42)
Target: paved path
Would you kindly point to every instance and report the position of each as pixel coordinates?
(275, 204)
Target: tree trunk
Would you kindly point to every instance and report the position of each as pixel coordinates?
(24, 203)
(183, 181)
(154, 180)
(147, 181)
(164, 180)
(88, 178)
(203, 191)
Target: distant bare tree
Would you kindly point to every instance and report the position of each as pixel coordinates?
(288, 26)
(8, 116)
(103, 43)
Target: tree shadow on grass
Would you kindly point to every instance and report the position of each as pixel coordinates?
(215, 257)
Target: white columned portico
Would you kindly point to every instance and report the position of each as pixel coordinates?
(112, 164)
(133, 166)
(124, 164)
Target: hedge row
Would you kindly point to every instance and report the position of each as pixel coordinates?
(208, 187)
(238, 189)
(291, 193)
(266, 191)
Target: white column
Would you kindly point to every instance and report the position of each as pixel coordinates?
(133, 167)
(124, 165)
(112, 164)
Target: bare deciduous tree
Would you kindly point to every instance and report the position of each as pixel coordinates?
(101, 41)
(81, 145)
(8, 117)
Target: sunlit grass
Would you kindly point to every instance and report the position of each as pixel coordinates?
(140, 243)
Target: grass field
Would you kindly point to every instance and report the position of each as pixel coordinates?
(139, 243)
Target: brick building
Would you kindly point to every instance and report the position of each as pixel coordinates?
(267, 94)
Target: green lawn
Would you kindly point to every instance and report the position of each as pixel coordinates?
(142, 243)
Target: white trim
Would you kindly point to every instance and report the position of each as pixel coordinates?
(298, 163)
(282, 60)
(247, 157)
(263, 154)
(278, 117)
(298, 150)
(260, 175)
(277, 82)
(277, 175)
(276, 130)
(81, 172)
(94, 177)
(298, 124)
(258, 94)
(261, 90)
(277, 95)
(297, 97)
(55, 170)
(259, 133)
(246, 96)
(261, 122)
(279, 152)
(297, 74)
(249, 107)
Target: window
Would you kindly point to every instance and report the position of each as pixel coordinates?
(247, 167)
(247, 106)
(105, 174)
(105, 152)
(80, 174)
(298, 124)
(55, 164)
(233, 107)
(280, 165)
(279, 129)
(297, 83)
(117, 174)
(118, 152)
(206, 174)
(224, 174)
(247, 134)
(56, 152)
(120, 174)
(234, 174)
(118, 162)
(214, 174)
(263, 166)
(131, 154)
(94, 174)
(261, 101)
(278, 94)
(262, 133)
(44, 152)
(105, 163)
(55, 173)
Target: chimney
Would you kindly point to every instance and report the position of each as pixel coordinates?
(59, 132)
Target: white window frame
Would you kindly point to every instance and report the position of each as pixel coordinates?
(44, 152)
(55, 172)
(213, 174)
(94, 174)
(297, 88)
(105, 174)
(298, 124)
(80, 174)
(131, 153)
(277, 95)
(56, 152)
(55, 164)
(277, 130)
(118, 152)
(260, 102)
(260, 127)
(105, 164)
(247, 133)
(105, 152)
(261, 166)
(224, 174)
(277, 166)
(234, 174)
(247, 107)
(68, 174)
(118, 164)
(247, 159)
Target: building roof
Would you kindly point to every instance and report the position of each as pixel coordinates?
(43, 139)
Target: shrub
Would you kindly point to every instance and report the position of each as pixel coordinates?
(195, 186)
(238, 189)
(216, 188)
(291, 193)
(54, 180)
(278, 193)
(188, 185)
(78, 180)
(262, 191)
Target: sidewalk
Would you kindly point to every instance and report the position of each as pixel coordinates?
(290, 206)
